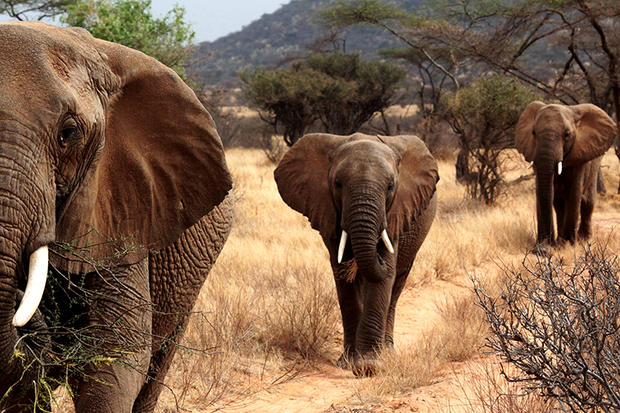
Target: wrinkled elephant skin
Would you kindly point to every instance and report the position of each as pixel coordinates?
(372, 199)
(104, 150)
(566, 144)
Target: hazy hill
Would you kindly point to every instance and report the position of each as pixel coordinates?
(278, 37)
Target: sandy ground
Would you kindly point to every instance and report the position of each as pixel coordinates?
(328, 388)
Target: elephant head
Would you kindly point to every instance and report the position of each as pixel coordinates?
(361, 193)
(99, 145)
(556, 137)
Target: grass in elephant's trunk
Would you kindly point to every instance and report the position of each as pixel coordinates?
(269, 319)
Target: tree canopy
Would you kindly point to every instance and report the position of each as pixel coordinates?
(483, 115)
(131, 23)
(341, 91)
(27, 9)
(568, 49)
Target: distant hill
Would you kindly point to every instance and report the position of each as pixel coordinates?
(279, 37)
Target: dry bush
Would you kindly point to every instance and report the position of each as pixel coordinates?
(485, 390)
(559, 325)
(273, 147)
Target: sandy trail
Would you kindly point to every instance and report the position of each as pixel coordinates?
(331, 389)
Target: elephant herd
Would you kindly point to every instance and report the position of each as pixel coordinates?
(113, 172)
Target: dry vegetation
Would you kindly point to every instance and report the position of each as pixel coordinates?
(268, 313)
(269, 310)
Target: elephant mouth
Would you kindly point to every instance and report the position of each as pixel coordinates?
(383, 247)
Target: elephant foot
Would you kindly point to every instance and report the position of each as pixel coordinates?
(584, 235)
(366, 367)
(345, 362)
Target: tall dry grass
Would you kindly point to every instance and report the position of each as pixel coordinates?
(269, 309)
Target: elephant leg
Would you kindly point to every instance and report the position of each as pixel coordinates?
(119, 329)
(572, 205)
(560, 213)
(177, 274)
(585, 225)
(399, 284)
(350, 301)
(371, 327)
(588, 200)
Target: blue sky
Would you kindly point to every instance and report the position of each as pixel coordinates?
(212, 19)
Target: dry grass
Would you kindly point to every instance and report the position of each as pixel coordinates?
(484, 389)
(269, 306)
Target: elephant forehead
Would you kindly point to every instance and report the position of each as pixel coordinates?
(553, 117)
(364, 157)
(48, 68)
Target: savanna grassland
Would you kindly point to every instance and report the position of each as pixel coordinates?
(266, 330)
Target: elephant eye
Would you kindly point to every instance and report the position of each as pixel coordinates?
(566, 134)
(338, 184)
(390, 186)
(67, 135)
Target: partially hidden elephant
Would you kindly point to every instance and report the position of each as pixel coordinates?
(111, 172)
(372, 199)
(565, 144)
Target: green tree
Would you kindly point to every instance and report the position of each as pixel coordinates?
(27, 9)
(285, 98)
(131, 23)
(339, 90)
(484, 115)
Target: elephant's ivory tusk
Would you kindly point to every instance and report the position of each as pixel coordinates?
(343, 243)
(37, 275)
(560, 168)
(387, 242)
(530, 165)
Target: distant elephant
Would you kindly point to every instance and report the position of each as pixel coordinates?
(565, 144)
(108, 158)
(372, 199)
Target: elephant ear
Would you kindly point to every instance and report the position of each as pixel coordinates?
(160, 169)
(524, 136)
(417, 180)
(302, 180)
(596, 132)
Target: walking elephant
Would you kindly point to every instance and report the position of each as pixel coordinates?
(565, 144)
(372, 199)
(113, 173)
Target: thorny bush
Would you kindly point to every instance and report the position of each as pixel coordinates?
(558, 324)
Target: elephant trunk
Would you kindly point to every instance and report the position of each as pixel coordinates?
(26, 219)
(545, 171)
(366, 220)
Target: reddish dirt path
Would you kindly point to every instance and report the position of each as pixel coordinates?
(331, 389)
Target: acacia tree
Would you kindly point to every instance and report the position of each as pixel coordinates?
(340, 91)
(568, 49)
(484, 115)
(28, 9)
(131, 23)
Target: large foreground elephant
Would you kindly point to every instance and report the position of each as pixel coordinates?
(372, 198)
(108, 158)
(566, 144)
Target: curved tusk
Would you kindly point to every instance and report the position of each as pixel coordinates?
(343, 243)
(529, 166)
(560, 168)
(37, 275)
(386, 241)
